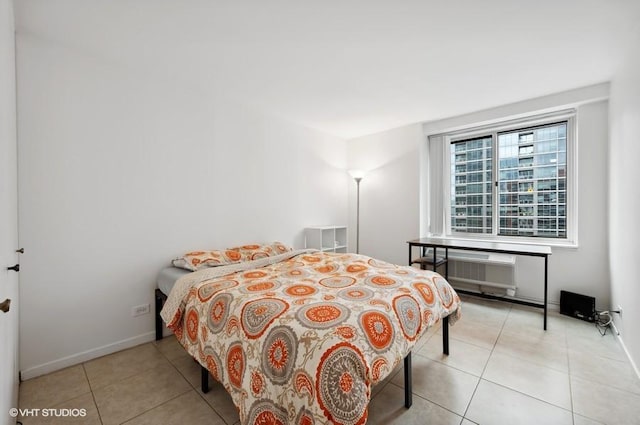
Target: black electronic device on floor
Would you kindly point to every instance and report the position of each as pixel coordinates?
(580, 306)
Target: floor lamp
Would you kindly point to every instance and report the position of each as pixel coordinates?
(357, 176)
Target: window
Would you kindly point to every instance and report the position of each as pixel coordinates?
(471, 179)
(536, 160)
(511, 181)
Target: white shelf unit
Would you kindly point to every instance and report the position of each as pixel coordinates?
(326, 238)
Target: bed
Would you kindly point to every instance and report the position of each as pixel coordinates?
(300, 337)
(165, 281)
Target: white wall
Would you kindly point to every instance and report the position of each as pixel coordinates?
(389, 208)
(120, 172)
(397, 191)
(624, 227)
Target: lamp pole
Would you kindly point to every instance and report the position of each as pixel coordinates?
(357, 179)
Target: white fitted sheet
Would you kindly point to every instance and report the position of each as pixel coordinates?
(168, 277)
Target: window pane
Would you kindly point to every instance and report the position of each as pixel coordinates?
(471, 185)
(532, 182)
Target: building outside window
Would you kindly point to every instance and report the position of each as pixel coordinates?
(471, 178)
(511, 181)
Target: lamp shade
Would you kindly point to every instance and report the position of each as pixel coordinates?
(357, 174)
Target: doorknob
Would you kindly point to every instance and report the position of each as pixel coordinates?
(15, 268)
(5, 305)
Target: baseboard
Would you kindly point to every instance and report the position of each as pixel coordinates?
(84, 356)
(624, 347)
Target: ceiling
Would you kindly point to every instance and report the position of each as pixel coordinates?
(351, 67)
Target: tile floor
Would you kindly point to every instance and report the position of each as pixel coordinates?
(503, 369)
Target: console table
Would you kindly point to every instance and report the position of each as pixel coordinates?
(470, 245)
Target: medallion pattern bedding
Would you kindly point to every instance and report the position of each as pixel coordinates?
(301, 337)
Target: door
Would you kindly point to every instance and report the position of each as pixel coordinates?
(8, 216)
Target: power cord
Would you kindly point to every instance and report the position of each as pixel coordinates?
(603, 320)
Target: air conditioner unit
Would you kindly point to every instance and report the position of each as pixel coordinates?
(486, 273)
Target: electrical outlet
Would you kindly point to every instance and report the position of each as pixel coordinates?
(139, 310)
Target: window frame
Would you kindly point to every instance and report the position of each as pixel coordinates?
(493, 130)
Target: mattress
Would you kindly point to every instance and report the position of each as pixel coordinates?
(168, 277)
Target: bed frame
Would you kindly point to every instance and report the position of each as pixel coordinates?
(408, 393)
(161, 298)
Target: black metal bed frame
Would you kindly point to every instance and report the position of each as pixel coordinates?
(161, 298)
(408, 393)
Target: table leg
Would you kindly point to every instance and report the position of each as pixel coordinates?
(446, 264)
(434, 258)
(546, 276)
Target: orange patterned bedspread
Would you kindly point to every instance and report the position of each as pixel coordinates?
(301, 341)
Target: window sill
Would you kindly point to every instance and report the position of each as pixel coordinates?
(564, 244)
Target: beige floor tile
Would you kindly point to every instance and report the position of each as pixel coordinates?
(188, 408)
(171, 348)
(389, 409)
(190, 370)
(578, 327)
(474, 333)
(54, 388)
(135, 395)
(440, 384)
(220, 400)
(533, 380)
(489, 314)
(537, 333)
(594, 343)
(581, 420)
(535, 347)
(78, 411)
(427, 336)
(487, 302)
(496, 405)
(123, 364)
(466, 357)
(217, 397)
(615, 373)
(526, 319)
(160, 383)
(530, 323)
(375, 390)
(603, 403)
(435, 340)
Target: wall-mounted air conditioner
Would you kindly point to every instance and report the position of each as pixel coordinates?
(486, 273)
